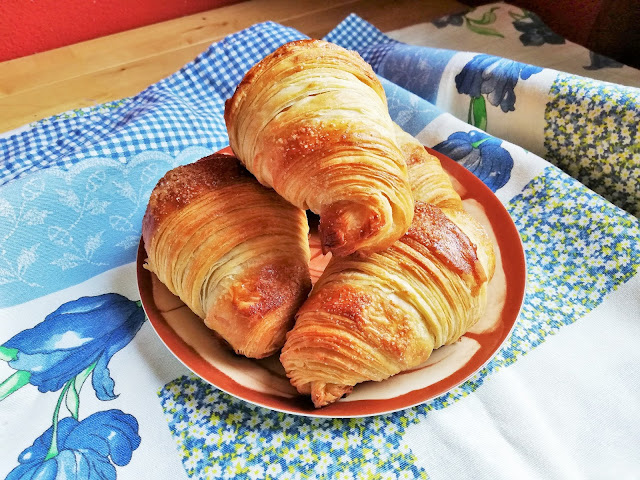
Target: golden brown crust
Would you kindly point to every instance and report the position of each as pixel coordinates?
(310, 121)
(183, 184)
(234, 251)
(299, 52)
(369, 318)
(429, 182)
(433, 230)
(258, 310)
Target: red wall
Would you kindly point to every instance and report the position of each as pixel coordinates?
(31, 26)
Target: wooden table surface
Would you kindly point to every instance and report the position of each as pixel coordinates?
(118, 66)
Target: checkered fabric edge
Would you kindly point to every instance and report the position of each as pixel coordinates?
(183, 110)
(357, 34)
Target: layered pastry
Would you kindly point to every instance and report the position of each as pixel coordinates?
(372, 317)
(311, 122)
(235, 252)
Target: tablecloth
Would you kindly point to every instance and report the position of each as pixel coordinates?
(89, 390)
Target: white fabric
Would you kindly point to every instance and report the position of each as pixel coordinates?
(141, 370)
(569, 409)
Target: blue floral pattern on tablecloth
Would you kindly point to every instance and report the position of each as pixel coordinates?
(592, 133)
(81, 334)
(481, 154)
(99, 204)
(71, 344)
(494, 78)
(87, 449)
(222, 437)
(578, 247)
(534, 31)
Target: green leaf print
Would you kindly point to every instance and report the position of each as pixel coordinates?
(486, 19)
(15, 382)
(478, 112)
(8, 354)
(483, 30)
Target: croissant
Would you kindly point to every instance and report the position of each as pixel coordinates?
(234, 251)
(369, 318)
(311, 121)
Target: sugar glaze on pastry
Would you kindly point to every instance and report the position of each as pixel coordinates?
(234, 251)
(311, 121)
(369, 318)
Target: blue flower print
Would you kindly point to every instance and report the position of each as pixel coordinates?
(481, 154)
(534, 31)
(80, 337)
(85, 450)
(494, 77)
(71, 343)
(456, 19)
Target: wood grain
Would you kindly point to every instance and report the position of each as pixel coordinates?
(123, 64)
(385, 15)
(142, 43)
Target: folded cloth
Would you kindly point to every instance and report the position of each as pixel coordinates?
(588, 128)
(72, 195)
(513, 32)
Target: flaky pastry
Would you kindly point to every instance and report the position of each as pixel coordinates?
(311, 121)
(369, 318)
(234, 251)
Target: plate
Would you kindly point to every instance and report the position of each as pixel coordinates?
(264, 383)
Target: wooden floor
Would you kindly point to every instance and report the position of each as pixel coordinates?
(121, 65)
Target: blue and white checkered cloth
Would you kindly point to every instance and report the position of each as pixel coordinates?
(181, 111)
